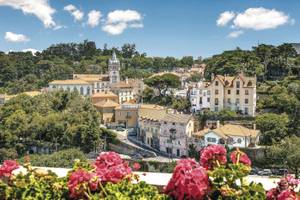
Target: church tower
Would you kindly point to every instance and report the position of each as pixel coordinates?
(114, 69)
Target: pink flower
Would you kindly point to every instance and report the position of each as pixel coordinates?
(243, 158)
(287, 195)
(136, 166)
(80, 181)
(7, 167)
(189, 181)
(212, 156)
(272, 194)
(111, 168)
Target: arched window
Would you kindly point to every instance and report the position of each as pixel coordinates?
(88, 91)
(81, 90)
(68, 88)
(238, 84)
(53, 86)
(249, 83)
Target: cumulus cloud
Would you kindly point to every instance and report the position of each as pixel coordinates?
(33, 51)
(225, 18)
(14, 37)
(235, 34)
(260, 19)
(94, 18)
(119, 20)
(254, 19)
(40, 8)
(76, 13)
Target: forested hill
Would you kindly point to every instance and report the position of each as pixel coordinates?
(21, 71)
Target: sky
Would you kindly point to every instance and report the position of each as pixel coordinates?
(157, 27)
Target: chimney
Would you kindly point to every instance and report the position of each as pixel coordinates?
(212, 76)
(218, 124)
(254, 126)
(126, 80)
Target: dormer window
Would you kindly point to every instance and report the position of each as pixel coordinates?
(216, 83)
(249, 83)
(238, 84)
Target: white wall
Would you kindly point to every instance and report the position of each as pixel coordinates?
(72, 88)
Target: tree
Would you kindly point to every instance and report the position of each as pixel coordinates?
(163, 82)
(128, 50)
(287, 152)
(272, 126)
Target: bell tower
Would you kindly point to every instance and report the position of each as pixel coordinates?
(114, 69)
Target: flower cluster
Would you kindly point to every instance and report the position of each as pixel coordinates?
(79, 181)
(111, 168)
(240, 157)
(189, 181)
(7, 167)
(212, 156)
(285, 189)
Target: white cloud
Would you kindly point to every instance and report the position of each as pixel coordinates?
(94, 18)
(119, 20)
(225, 18)
(260, 19)
(235, 34)
(33, 51)
(76, 13)
(115, 29)
(40, 8)
(14, 37)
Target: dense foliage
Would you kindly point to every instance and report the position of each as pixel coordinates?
(63, 158)
(49, 122)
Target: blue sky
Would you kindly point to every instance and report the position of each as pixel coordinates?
(158, 27)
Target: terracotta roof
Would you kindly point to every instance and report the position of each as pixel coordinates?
(122, 84)
(177, 118)
(201, 133)
(228, 80)
(105, 94)
(106, 104)
(236, 130)
(69, 82)
(152, 106)
(152, 114)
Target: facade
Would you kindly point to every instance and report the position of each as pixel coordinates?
(106, 95)
(167, 132)
(128, 90)
(127, 114)
(99, 82)
(114, 69)
(107, 110)
(200, 97)
(82, 87)
(229, 134)
(237, 93)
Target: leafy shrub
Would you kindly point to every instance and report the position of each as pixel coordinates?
(64, 158)
(7, 154)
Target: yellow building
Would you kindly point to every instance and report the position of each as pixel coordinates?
(107, 110)
(127, 114)
(106, 95)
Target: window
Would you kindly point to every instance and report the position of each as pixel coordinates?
(53, 86)
(237, 84)
(179, 142)
(229, 91)
(216, 109)
(229, 100)
(173, 123)
(246, 111)
(208, 99)
(216, 101)
(237, 101)
(210, 139)
(216, 83)
(88, 91)
(246, 92)
(68, 89)
(216, 91)
(239, 140)
(208, 92)
(98, 85)
(246, 101)
(237, 92)
(200, 100)
(178, 152)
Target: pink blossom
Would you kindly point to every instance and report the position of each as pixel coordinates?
(7, 167)
(212, 156)
(243, 158)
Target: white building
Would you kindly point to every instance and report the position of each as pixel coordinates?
(114, 69)
(167, 132)
(99, 82)
(82, 87)
(232, 135)
(200, 97)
